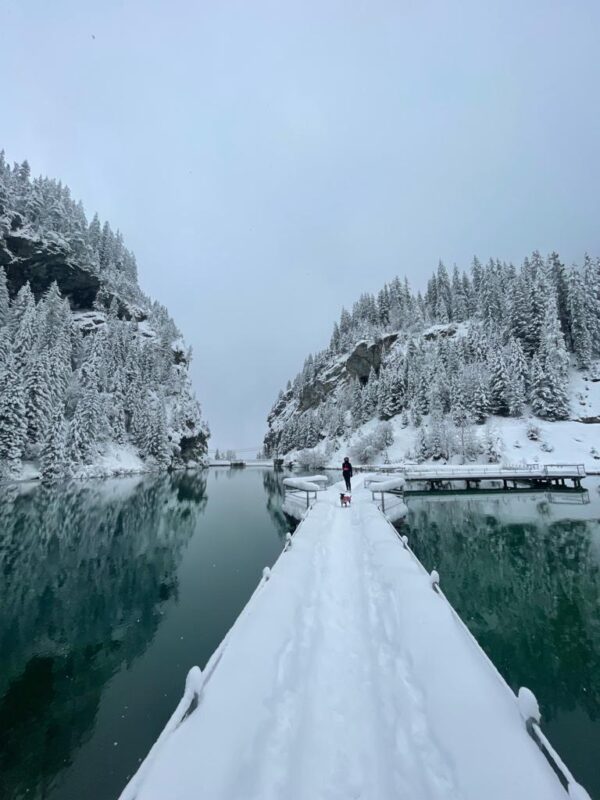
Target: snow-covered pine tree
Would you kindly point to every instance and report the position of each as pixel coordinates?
(38, 397)
(517, 377)
(82, 442)
(357, 403)
(549, 394)
(370, 392)
(25, 333)
(580, 335)
(498, 386)
(4, 298)
(141, 420)
(591, 277)
(5, 346)
(480, 402)
(114, 408)
(23, 302)
(158, 443)
(492, 445)
(462, 420)
(438, 437)
(13, 421)
(384, 395)
(53, 458)
(422, 452)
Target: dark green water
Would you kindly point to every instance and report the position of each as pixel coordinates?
(523, 571)
(109, 593)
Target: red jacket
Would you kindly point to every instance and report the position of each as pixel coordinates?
(347, 467)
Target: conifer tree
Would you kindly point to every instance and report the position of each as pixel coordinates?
(421, 402)
(481, 404)
(53, 457)
(498, 385)
(463, 421)
(4, 299)
(94, 234)
(591, 276)
(357, 403)
(83, 432)
(370, 392)
(549, 391)
(158, 442)
(38, 397)
(421, 446)
(580, 335)
(23, 302)
(13, 422)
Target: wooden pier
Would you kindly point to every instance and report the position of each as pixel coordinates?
(511, 476)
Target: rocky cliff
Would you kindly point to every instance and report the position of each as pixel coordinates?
(499, 342)
(93, 373)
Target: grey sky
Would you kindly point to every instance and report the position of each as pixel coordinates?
(268, 162)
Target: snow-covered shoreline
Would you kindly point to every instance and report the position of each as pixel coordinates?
(568, 441)
(119, 462)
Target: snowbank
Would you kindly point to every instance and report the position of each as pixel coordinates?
(113, 461)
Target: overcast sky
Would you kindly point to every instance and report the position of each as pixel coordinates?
(269, 161)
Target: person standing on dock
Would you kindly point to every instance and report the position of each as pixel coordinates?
(347, 473)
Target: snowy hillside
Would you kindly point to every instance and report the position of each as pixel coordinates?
(501, 363)
(93, 374)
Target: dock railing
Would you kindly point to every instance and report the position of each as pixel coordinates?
(310, 487)
(493, 470)
(569, 468)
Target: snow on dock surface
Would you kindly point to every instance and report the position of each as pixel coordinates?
(492, 471)
(301, 484)
(348, 676)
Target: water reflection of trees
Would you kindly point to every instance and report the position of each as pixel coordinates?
(528, 590)
(273, 485)
(85, 574)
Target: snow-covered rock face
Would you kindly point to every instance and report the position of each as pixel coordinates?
(41, 260)
(93, 373)
(89, 321)
(368, 356)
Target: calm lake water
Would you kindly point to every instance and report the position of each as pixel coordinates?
(523, 571)
(111, 591)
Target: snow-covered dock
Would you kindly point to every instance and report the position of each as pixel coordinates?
(472, 474)
(349, 675)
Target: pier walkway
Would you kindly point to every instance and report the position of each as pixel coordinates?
(473, 474)
(349, 675)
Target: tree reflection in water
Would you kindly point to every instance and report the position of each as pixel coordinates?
(85, 573)
(525, 579)
(273, 484)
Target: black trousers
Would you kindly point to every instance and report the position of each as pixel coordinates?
(347, 479)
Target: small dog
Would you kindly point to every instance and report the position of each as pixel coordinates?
(345, 499)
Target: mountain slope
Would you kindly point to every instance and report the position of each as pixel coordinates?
(93, 373)
(495, 344)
